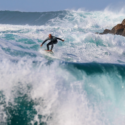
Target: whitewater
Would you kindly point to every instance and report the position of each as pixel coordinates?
(81, 83)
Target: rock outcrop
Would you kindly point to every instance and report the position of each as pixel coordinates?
(123, 22)
(119, 29)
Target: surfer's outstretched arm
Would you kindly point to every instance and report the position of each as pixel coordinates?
(44, 41)
(59, 39)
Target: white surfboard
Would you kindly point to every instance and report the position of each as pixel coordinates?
(48, 54)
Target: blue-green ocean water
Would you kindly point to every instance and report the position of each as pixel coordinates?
(81, 83)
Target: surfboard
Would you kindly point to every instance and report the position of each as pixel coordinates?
(51, 55)
(48, 54)
(48, 51)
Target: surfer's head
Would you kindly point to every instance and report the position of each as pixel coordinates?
(50, 35)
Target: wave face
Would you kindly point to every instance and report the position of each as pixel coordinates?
(82, 82)
(31, 18)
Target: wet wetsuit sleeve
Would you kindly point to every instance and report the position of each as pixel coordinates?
(59, 38)
(45, 41)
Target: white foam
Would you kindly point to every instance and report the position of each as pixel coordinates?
(54, 92)
(78, 29)
(60, 96)
(58, 92)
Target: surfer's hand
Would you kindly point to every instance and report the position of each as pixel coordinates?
(41, 45)
(63, 40)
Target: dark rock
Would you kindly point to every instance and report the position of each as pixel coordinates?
(123, 34)
(123, 22)
(106, 31)
(118, 29)
(96, 33)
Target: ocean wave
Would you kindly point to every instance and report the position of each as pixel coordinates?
(82, 82)
(30, 18)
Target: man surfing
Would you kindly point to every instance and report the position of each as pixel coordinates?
(53, 40)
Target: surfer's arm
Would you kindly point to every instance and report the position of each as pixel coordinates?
(44, 41)
(59, 39)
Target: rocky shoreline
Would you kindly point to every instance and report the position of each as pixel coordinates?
(119, 29)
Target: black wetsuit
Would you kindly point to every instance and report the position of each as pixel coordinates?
(53, 40)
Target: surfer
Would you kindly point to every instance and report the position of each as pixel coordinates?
(53, 40)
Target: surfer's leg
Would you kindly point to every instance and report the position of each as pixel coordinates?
(47, 46)
(54, 42)
(51, 47)
(50, 43)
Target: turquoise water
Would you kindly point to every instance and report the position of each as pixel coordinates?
(82, 82)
